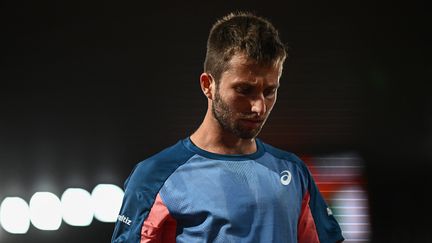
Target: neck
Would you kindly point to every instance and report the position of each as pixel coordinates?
(211, 137)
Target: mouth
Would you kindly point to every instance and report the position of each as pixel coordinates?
(253, 123)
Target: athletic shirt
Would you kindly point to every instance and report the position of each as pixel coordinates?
(186, 194)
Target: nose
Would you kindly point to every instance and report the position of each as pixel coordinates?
(259, 105)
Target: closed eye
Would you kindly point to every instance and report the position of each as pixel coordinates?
(244, 89)
(270, 93)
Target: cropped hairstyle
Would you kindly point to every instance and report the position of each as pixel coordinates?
(245, 33)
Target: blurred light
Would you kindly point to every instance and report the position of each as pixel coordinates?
(77, 208)
(340, 180)
(45, 211)
(107, 200)
(15, 215)
(350, 206)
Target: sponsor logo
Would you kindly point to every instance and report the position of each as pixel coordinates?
(329, 212)
(124, 219)
(285, 178)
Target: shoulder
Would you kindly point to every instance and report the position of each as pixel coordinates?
(159, 166)
(286, 156)
(282, 154)
(175, 154)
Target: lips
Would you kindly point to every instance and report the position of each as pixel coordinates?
(252, 122)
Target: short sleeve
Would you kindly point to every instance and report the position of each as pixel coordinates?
(317, 222)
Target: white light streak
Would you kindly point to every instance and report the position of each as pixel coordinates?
(77, 208)
(107, 200)
(15, 215)
(45, 211)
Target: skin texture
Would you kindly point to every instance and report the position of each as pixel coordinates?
(238, 105)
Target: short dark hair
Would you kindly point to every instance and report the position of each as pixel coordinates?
(242, 32)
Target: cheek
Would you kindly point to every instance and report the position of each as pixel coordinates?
(270, 104)
(241, 104)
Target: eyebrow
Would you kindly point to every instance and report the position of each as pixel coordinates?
(274, 86)
(244, 82)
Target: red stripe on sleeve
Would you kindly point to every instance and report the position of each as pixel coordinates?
(159, 226)
(307, 232)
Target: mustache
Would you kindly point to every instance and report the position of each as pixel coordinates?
(253, 117)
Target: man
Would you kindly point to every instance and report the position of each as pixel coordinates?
(222, 184)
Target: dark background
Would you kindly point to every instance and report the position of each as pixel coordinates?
(88, 89)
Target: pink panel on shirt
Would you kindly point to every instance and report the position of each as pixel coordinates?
(307, 232)
(160, 226)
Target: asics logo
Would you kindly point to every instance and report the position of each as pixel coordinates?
(286, 177)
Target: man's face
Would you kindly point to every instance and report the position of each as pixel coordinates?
(245, 96)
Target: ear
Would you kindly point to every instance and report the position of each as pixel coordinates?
(207, 84)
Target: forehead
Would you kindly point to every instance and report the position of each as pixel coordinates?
(242, 67)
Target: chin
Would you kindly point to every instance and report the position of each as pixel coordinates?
(247, 134)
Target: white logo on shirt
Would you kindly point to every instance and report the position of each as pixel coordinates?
(286, 177)
(329, 212)
(124, 219)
